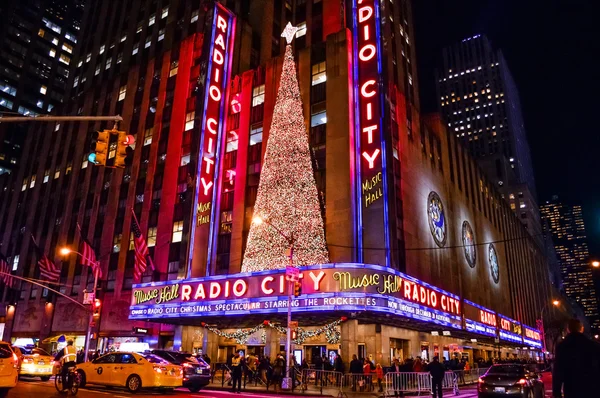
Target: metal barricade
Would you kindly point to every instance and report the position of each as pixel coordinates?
(449, 382)
(316, 380)
(400, 382)
(360, 382)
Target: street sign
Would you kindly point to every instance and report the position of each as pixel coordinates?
(294, 325)
(292, 273)
(88, 297)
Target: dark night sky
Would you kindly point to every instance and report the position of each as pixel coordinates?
(552, 51)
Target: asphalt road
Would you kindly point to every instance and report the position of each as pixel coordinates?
(38, 389)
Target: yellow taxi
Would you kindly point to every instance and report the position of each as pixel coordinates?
(131, 370)
(36, 363)
(9, 374)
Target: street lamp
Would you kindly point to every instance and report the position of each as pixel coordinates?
(595, 263)
(286, 382)
(555, 303)
(66, 251)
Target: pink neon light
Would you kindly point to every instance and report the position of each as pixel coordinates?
(364, 13)
(206, 185)
(369, 130)
(363, 89)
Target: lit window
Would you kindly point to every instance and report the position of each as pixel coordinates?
(41, 33)
(69, 168)
(318, 119)
(258, 95)
(256, 135)
(52, 53)
(117, 243)
(46, 176)
(189, 120)
(68, 48)
(15, 263)
(148, 42)
(97, 71)
(55, 41)
(136, 48)
(10, 90)
(88, 58)
(148, 136)
(174, 68)
(108, 63)
(194, 16)
(151, 236)
(119, 58)
(56, 174)
(43, 89)
(185, 159)
(152, 20)
(301, 29)
(84, 164)
(319, 74)
(123, 38)
(165, 12)
(24, 186)
(177, 231)
(70, 37)
(161, 34)
(64, 59)
(232, 141)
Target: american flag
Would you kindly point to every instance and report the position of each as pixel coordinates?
(48, 270)
(5, 276)
(89, 256)
(142, 254)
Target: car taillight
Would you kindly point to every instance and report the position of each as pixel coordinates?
(188, 365)
(52, 362)
(159, 369)
(27, 360)
(522, 382)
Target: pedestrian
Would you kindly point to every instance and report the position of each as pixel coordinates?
(437, 371)
(379, 373)
(278, 370)
(236, 373)
(576, 365)
(355, 370)
(418, 365)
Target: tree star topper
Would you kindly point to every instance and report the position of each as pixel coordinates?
(289, 32)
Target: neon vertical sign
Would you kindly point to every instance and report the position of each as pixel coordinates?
(371, 186)
(214, 100)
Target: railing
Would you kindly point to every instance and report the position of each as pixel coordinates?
(413, 382)
(316, 380)
(465, 377)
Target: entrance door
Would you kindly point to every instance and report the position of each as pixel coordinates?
(314, 351)
(256, 350)
(225, 352)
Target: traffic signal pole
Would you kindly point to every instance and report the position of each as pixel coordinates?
(20, 119)
(89, 325)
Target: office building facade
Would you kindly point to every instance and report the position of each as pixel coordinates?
(567, 229)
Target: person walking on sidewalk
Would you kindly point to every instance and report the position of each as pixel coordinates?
(577, 365)
(437, 371)
(236, 373)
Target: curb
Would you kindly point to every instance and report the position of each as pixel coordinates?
(268, 392)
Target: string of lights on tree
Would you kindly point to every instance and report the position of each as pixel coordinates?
(241, 336)
(287, 197)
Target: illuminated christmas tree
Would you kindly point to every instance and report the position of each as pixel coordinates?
(287, 200)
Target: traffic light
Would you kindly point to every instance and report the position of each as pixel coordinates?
(97, 307)
(297, 289)
(124, 155)
(99, 147)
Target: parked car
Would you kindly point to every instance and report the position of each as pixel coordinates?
(36, 363)
(9, 363)
(514, 380)
(131, 370)
(196, 372)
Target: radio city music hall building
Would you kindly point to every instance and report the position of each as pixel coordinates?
(424, 256)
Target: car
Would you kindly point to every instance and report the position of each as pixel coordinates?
(36, 362)
(9, 363)
(131, 370)
(510, 380)
(196, 372)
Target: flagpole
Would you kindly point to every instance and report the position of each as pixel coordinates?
(91, 318)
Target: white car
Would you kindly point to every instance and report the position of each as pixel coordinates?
(9, 368)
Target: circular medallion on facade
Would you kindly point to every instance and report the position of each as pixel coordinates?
(493, 259)
(437, 218)
(469, 244)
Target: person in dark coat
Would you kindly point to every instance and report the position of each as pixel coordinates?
(436, 370)
(356, 368)
(577, 365)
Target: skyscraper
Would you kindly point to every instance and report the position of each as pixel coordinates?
(480, 103)
(565, 223)
(37, 40)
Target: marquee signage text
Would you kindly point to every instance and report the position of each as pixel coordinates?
(510, 330)
(329, 287)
